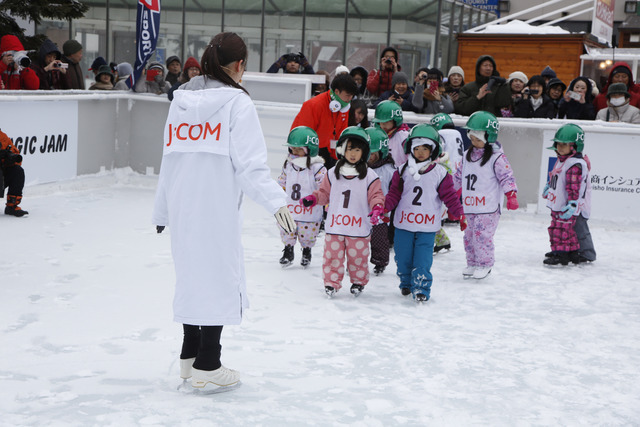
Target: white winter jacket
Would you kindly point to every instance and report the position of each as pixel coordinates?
(214, 151)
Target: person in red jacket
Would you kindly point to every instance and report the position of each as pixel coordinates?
(11, 175)
(15, 75)
(328, 115)
(379, 81)
(620, 73)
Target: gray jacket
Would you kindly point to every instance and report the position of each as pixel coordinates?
(445, 105)
(625, 113)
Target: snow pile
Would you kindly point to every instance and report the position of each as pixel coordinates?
(519, 27)
(86, 288)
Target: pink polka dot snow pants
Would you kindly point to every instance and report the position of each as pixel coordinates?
(357, 251)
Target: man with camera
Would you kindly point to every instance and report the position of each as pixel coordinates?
(489, 92)
(292, 63)
(50, 69)
(14, 65)
(11, 175)
(379, 81)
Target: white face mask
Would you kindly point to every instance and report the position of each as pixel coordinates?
(616, 102)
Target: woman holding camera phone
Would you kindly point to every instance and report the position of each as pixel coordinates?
(534, 102)
(429, 96)
(577, 102)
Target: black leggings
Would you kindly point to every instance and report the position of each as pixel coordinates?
(203, 343)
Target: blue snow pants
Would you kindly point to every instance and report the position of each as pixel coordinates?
(414, 257)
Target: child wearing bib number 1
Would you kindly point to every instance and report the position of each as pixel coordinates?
(485, 177)
(355, 199)
(418, 190)
(302, 173)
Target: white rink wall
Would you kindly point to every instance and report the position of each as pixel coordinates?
(65, 134)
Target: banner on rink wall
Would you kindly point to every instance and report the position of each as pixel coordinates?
(614, 177)
(602, 22)
(147, 29)
(46, 133)
(488, 5)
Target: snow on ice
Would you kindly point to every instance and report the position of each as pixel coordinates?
(88, 339)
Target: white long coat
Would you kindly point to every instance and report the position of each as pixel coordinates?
(214, 151)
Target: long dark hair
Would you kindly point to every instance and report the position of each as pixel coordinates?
(221, 51)
(355, 105)
(361, 166)
(486, 154)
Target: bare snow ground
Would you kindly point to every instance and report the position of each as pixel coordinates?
(88, 339)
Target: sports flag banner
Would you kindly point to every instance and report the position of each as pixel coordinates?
(147, 30)
(602, 25)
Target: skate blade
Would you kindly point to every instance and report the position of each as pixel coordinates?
(186, 388)
(286, 265)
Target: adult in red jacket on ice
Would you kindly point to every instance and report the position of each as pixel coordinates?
(328, 115)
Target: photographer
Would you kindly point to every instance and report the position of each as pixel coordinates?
(379, 81)
(429, 96)
(50, 69)
(14, 66)
(12, 176)
(489, 92)
(400, 92)
(534, 102)
(292, 63)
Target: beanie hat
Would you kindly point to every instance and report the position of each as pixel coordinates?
(621, 69)
(191, 62)
(124, 69)
(518, 75)
(537, 79)
(616, 88)
(399, 77)
(171, 59)
(548, 72)
(156, 65)
(556, 81)
(10, 42)
(97, 63)
(70, 47)
(341, 69)
(456, 70)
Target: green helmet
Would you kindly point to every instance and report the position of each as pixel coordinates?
(424, 130)
(440, 120)
(303, 136)
(379, 141)
(387, 111)
(569, 134)
(354, 133)
(484, 121)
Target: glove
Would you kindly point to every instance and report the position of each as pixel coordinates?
(309, 201)
(545, 191)
(159, 228)
(463, 222)
(376, 214)
(283, 216)
(302, 60)
(512, 201)
(282, 61)
(569, 209)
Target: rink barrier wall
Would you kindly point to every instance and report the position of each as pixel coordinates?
(93, 132)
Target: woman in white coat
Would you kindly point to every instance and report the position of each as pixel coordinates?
(214, 151)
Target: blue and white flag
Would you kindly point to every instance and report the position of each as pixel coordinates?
(147, 30)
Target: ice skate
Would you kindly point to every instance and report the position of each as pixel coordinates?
(356, 290)
(481, 272)
(306, 257)
(467, 272)
(378, 269)
(186, 366)
(213, 380)
(330, 291)
(405, 291)
(437, 249)
(287, 256)
(421, 298)
(561, 258)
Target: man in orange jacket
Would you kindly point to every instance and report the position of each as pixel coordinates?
(11, 175)
(328, 115)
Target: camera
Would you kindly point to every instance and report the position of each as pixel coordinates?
(495, 80)
(22, 59)
(292, 57)
(9, 157)
(396, 94)
(388, 61)
(574, 95)
(60, 65)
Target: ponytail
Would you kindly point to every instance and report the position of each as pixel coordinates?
(221, 51)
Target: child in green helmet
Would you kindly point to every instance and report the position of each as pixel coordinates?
(302, 173)
(389, 119)
(485, 178)
(568, 195)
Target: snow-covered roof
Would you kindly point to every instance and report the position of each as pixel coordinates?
(519, 27)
